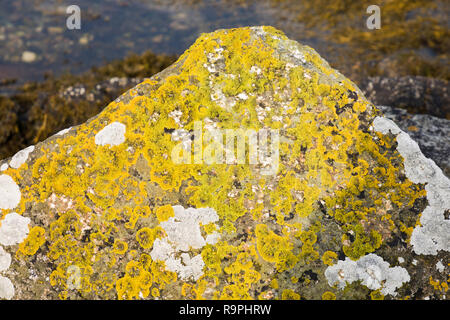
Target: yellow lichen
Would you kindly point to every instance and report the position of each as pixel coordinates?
(329, 258)
(164, 213)
(327, 295)
(376, 295)
(146, 236)
(120, 247)
(289, 294)
(274, 283)
(35, 239)
(274, 248)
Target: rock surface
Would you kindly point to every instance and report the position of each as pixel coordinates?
(327, 200)
(431, 133)
(421, 94)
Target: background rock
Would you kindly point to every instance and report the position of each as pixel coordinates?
(417, 94)
(431, 133)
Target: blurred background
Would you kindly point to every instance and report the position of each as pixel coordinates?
(52, 77)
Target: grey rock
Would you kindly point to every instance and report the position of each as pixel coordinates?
(417, 94)
(431, 133)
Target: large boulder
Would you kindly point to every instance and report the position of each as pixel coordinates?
(249, 169)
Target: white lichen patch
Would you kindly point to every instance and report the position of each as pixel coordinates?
(176, 116)
(215, 60)
(440, 266)
(6, 288)
(242, 96)
(113, 135)
(63, 132)
(183, 229)
(21, 157)
(61, 204)
(184, 136)
(212, 238)
(221, 99)
(186, 267)
(255, 69)
(216, 64)
(371, 270)
(183, 235)
(433, 233)
(10, 194)
(5, 259)
(13, 229)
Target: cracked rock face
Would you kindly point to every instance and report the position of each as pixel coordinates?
(249, 169)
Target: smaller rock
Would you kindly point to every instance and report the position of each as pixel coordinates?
(29, 56)
(85, 39)
(417, 94)
(55, 30)
(431, 133)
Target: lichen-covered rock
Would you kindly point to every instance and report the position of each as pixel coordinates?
(249, 169)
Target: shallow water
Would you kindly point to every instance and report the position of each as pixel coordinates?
(110, 29)
(34, 39)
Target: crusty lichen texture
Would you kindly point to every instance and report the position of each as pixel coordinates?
(112, 217)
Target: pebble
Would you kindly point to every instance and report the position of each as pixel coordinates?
(85, 39)
(55, 30)
(29, 56)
